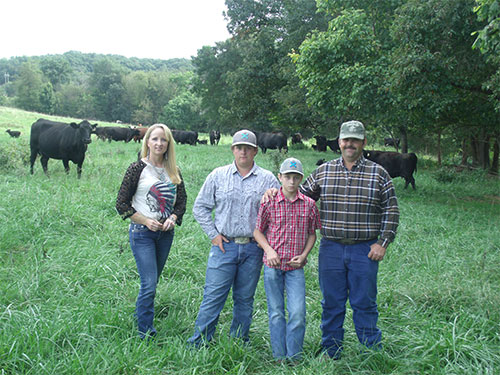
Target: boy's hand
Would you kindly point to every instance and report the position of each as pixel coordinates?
(297, 261)
(273, 260)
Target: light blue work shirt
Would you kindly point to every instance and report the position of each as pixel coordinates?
(236, 200)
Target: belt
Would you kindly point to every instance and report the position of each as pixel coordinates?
(240, 240)
(346, 241)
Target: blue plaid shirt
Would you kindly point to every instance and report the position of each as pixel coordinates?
(236, 200)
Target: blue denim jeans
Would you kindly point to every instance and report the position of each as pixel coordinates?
(239, 267)
(150, 251)
(346, 271)
(287, 339)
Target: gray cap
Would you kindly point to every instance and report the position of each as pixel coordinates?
(244, 137)
(352, 129)
(291, 165)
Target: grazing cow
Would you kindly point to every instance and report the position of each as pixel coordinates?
(333, 144)
(185, 136)
(320, 143)
(396, 164)
(202, 141)
(320, 161)
(142, 132)
(272, 141)
(391, 142)
(58, 140)
(14, 133)
(119, 133)
(100, 132)
(296, 138)
(214, 137)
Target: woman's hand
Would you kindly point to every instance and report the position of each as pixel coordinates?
(169, 224)
(154, 225)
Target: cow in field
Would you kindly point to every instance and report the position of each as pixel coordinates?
(142, 132)
(214, 137)
(396, 164)
(185, 136)
(58, 140)
(391, 142)
(333, 144)
(320, 143)
(272, 141)
(14, 133)
(202, 141)
(296, 138)
(119, 133)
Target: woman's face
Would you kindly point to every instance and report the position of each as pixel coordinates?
(157, 143)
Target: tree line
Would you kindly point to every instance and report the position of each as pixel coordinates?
(427, 72)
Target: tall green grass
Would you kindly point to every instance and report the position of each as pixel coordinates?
(68, 280)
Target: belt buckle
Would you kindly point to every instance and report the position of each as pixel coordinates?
(241, 240)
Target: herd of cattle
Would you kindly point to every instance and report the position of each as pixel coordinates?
(68, 142)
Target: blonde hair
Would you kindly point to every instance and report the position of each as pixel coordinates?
(169, 163)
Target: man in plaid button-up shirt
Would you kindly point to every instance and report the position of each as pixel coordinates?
(359, 217)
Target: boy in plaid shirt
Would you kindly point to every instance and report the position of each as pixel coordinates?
(286, 230)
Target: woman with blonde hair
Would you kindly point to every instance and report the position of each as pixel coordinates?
(153, 196)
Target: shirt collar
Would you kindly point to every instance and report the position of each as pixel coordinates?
(254, 169)
(281, 197)
(359, 163)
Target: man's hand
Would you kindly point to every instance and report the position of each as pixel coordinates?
(219, 242)
(377, 252)
(268, 195)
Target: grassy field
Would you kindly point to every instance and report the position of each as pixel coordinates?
(68, 280)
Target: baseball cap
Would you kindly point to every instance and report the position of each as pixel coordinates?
(291, 165)
(244, 137)
(352, 129)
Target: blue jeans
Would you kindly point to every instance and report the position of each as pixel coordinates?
(346, 271)
(287, 339)
(150, 251)
(239, 267)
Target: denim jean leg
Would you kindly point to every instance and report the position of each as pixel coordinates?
(245, 282)
(295, 287)
(363, 295)
(150, 256)
(332, 275)
(221, 270)
(274, 284)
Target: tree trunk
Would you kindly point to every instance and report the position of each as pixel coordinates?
(439, 147)
(474, 149)
(494, 162)
(464, 152)
(403, 135)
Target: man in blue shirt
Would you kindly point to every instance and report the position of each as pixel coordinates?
(234, 192)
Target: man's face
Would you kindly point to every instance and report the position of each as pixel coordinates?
(244, 155)
(351, 148)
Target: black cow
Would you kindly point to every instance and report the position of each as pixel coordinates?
(202, 141)
(320, 143)
(272, 141)
(185, 136)
(119, 133)
(214, 137)
(320, 161)
(58, 140)
(296, 138)
(333, 144)
(396, 164)
(391, 142)
(100, 132)
(14, 133)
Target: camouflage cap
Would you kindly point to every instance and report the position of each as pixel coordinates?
(352, 129)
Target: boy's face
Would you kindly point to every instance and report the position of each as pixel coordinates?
(290, 181)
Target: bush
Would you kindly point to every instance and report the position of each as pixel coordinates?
(14, 155)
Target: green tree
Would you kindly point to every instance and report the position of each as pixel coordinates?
(183, 112)
(29, 87)
(56, 69)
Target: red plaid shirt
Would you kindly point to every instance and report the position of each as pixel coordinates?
(287, 225)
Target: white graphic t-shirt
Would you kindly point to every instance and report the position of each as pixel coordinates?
(155, 195)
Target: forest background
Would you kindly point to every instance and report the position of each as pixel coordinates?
(426, 72)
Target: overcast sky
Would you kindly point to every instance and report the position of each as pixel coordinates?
(160, 29)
